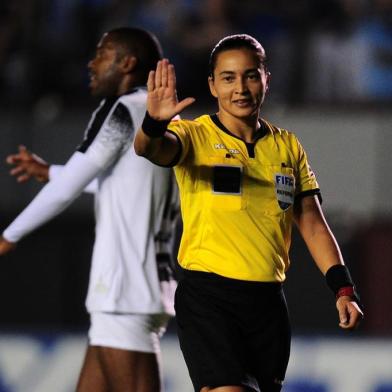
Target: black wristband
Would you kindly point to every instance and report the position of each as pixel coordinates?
(154, 128)
(337, 277)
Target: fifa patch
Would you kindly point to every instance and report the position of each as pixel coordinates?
(284, 190)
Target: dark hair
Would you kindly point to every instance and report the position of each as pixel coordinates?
(237, 41)
(140, 43)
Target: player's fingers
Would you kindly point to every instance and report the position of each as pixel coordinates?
(171, 77)
(23, 178)
(22, 155)
(184, 104)
(23, 151)
(151, 81)
(12, 159)
(165, 64)
(343, 314)
(158, 75)
(353, 315)
(17, 170)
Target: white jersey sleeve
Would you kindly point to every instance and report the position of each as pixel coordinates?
(54, 197)
(102, 146)
(56, 170)
(105, 145)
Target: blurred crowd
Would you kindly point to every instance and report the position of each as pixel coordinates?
(327, 51)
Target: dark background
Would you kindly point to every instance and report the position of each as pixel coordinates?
(324, 55)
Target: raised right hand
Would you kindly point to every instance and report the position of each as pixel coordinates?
(27, 165)
(162, 101)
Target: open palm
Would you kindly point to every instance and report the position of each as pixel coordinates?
(162, 101)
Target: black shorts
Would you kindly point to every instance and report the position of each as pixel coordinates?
(233, 332)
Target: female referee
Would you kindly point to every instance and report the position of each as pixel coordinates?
(242, 182)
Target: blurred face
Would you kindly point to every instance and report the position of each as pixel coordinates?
(105, 74)
(240, 83)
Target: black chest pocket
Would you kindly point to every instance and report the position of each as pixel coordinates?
(227, 180)
(225, 184)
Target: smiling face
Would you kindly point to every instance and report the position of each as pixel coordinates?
(105, 72)
(239, 82)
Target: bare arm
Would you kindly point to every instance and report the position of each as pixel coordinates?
(318, 237)
(162, 106)
(325, 251)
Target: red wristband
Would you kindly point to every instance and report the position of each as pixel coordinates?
(345, 291)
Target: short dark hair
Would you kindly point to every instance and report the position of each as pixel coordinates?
(140, 43)
(237, 41)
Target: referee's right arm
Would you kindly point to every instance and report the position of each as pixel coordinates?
(152, 140)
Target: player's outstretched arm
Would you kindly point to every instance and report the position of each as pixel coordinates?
(152, 141)
(5, 246)
(26, 165)
(325, 251)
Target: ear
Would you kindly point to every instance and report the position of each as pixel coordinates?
(267, 80)
(212, 86)
(128, 63)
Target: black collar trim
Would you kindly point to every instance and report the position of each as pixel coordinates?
(259, 134)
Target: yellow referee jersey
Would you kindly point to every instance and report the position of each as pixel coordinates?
(237, 198)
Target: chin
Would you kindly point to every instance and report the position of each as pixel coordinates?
(97, 93)
(246, 113)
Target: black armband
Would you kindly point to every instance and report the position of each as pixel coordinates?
(154, 128)
(340, 282)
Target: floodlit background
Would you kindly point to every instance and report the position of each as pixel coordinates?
(331, 65)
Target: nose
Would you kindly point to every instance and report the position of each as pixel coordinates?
(241, 86)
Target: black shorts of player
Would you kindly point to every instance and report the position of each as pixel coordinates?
(233, 332)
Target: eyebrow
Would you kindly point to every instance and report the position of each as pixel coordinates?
(233, 72)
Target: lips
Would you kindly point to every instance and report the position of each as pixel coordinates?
(243, 102)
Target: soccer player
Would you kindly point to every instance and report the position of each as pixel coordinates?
(242, 182)
(131, 289)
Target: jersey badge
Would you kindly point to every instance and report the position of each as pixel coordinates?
(284, 190)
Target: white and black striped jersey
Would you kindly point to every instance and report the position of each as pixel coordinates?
(131, 270)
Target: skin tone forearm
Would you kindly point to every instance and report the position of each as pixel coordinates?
(160, 150)
(162, 105)
(325, 251)
(316, 233)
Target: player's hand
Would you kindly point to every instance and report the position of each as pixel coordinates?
(162, 101)
(350, 315)
(5, 246)
(27, 165)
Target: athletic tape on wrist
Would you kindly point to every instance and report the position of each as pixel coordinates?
(154, 128)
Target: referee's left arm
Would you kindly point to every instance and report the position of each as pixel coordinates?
(325, 251)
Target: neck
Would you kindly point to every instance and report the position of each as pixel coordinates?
(244, 128)
(126, 85)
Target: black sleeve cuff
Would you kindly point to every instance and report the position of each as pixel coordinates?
(311, 192)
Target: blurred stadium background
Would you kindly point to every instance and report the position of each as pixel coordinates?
(331, 65)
